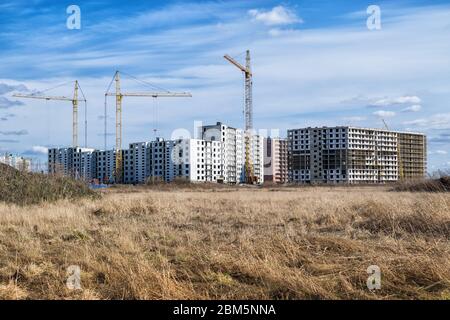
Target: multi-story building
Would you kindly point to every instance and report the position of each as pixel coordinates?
(75, 162)
(218, 157)
(157, 155)
(276, 160)
(354, 155)
(232, 141)
(257, 158)
(413, 155)
(233, 152)
(194, 160)
(84, 164)
(60, 161)
(105, 165)
(17, 162)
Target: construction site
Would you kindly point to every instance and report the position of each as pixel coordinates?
(223, 154)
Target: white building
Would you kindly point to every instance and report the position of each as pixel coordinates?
(17, 162)
(257, 157)
(218, 157)
(233, 151)
(196, 160)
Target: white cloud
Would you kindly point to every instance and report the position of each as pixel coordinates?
(355, 119)
(6, 103)
(384, 114)
(277, 16)
(442, 152)
(6, 88)
(436, 121)
(40, 149)
(14, 133)
(414, 108)
(386, 102)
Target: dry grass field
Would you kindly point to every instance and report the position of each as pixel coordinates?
(229, 243)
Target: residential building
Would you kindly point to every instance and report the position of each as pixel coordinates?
(17, 162)
(276, 160)
(194, 160)
(75, 162)
(218, 157)
(105, 165)
(354, 155)
(413, 155)
(233, 152)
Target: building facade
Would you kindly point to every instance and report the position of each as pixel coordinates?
(354, 155)
(233, 152)
(79, 163)
(216, 158)
(276, 160)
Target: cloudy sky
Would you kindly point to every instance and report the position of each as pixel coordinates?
(315, 63)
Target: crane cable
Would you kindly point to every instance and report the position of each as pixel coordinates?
(155, 117)
(85, 117)
(106, 112)
(149, 84)
(52, 88)
(106, 121)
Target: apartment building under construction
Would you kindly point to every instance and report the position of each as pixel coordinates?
(353, 155)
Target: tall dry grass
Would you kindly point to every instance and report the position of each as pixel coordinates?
(26, 188)
(309, 243)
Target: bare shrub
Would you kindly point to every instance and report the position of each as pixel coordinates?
(426, 185)
(24, 188)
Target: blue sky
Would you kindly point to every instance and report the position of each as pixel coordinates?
(315, 63)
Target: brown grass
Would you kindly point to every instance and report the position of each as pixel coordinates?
(308, 243)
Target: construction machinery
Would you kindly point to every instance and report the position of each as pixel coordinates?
(74, 101)
(119, 96)
(248, 114)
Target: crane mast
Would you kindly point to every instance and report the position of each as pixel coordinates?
(119, 97)
(119, 160)
(248, 114)
(75, 116)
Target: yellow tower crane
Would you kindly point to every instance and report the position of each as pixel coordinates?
(119, 95)
(248, 114)
(74, 101)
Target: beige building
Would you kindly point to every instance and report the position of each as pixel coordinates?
(276, 160)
